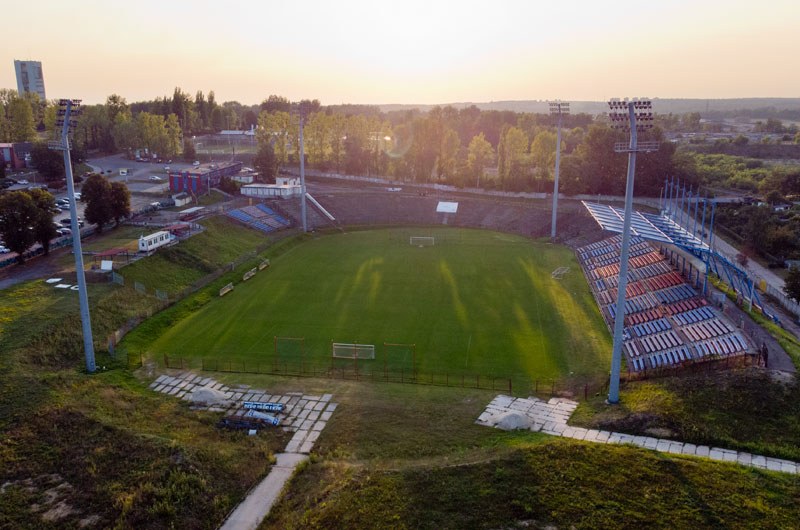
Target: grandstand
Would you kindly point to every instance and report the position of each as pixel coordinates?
(361, 207)
(666, 323)
(260, 217)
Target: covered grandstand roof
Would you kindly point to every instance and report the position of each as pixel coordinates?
(652, 227)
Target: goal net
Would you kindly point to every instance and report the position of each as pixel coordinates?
(341, 350)
(422, 241)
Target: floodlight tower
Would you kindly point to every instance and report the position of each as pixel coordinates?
(634, 115)
(557, 108)
(301, 110)
(69, 109)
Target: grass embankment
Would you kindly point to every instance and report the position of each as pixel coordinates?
(104, 450)
(396, 456)
(745, 410)
(477, 302)
(175, 268)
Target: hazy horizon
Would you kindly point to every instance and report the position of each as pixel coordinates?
(420, 53)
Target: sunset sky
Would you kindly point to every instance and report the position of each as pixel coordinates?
(408, 51)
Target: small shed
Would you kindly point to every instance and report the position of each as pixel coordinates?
(182, 199)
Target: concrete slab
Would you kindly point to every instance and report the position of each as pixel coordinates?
(773, 464)
(313, 416)
(662, 445)
(689, 449)
(703, 450)
(758, 461)
(331, 407)
(313, 436)
(745, 459)
(300, 436)
(318, 426)
(319, 406)
(676, 448)
(602, 436)
(306, 447)
(715, 454)
(326, 416)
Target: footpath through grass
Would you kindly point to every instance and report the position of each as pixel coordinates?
(477, 302)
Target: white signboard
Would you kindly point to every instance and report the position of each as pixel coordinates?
(447, 207)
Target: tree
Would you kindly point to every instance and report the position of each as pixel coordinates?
(18, 214)
(480, 155)
(276, 104)
(125, 132)
(119, 201)
(792, 284)
(543, 152)
(49, 163)
(265, 163)
(512, 150)
(43, 229)
(96, 192)
(22, 127)
(279, 130)
(189, 153)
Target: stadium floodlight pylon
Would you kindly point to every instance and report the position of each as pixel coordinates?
(634, 115)
(301, 109)
(68, 109)
(557, 108)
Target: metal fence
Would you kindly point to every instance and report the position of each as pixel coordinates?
(349, 372)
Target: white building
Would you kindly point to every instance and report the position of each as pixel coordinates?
(30, 78)
(155, 240)
(270, 190)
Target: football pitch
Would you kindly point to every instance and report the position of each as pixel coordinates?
(476, 302)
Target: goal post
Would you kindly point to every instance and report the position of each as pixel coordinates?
(342, 350)
(422, 241)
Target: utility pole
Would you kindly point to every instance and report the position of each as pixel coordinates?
(69, 108)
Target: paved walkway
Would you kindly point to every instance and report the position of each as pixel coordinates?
(304, 415)
(550, 417)
(255, 507)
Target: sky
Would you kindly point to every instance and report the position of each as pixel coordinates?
(409, 51)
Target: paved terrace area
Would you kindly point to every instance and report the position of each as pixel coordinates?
(550, 417)
(305, 415)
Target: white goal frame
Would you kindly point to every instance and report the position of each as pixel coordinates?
(422, 241)
(343, 350)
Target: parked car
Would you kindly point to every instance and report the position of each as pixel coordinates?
(77, 196)
(196, 163)
(4, 250)
(22, 182)
(155, 178)
(64, 231)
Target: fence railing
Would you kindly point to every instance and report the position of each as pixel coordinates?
(519, 385)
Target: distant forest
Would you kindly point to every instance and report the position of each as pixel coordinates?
(754, 108)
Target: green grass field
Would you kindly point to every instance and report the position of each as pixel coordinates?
(477, 302)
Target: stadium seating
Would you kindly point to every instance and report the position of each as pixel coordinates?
(666, 322)
(261, 217)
